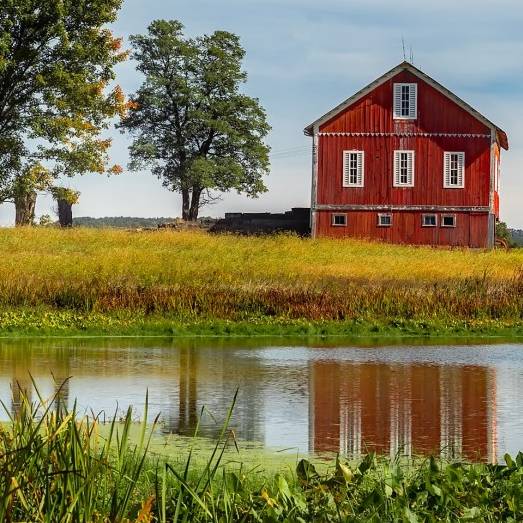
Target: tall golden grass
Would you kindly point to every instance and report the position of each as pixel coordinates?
(192, 274)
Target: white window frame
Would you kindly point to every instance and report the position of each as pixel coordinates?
(397, 104)
(442, 220)
(447, 158)
(382, 215)
(338, 224)
(425, 215)
(396, 171)
(360, 169)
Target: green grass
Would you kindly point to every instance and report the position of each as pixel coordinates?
(112, 282)
(45, 322)
(57, 467)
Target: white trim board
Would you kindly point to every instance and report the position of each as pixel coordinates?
(429, 208)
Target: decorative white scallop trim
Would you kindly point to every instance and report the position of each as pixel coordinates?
(406, 134)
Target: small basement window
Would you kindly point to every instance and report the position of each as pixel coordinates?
(339, 220)
(448, 220)
(384, 220)
(429, 220)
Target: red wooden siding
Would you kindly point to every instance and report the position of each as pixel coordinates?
(428, 171)
(441, 126)
(436, 113)
(471, 228)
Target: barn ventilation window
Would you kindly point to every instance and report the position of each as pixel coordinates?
(448, 220)
(454, 170)
(339, 220)
(353, 168)
(403, 168)
(429, 220)
(384, 220)
(405, 101)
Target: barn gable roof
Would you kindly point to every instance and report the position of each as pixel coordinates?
(501, 136)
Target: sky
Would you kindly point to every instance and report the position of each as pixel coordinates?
(303, 57)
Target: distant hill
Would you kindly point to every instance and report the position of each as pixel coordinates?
(517, 236)
(124, 222)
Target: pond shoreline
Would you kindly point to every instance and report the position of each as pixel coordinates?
(38, 322)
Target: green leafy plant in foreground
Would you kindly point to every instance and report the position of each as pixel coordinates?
(57, 466)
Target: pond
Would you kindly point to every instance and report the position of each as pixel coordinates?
(309, 396)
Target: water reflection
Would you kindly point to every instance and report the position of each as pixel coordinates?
(415, 409)
(460, 400)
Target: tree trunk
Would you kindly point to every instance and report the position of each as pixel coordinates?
(25, 208)
(185, 204)
(195, 204)
(65, 213)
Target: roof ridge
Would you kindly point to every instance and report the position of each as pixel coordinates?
(501, 136)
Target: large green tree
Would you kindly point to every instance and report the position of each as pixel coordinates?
(57, 60)
(190, 121)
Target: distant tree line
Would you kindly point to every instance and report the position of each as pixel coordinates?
(124, 222)
(517, 236)
(512, 237)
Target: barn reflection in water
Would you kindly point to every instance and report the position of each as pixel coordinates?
(411, 410)
(315, 399)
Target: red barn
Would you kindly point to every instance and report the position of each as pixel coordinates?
(404, 160)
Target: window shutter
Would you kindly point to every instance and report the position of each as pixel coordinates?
(396, 167)
(346, 168)
(413, 99)
(397, 101)
(461, 169)
(359, 177)
(446, 169)
(410, 168)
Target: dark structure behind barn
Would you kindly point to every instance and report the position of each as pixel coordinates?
(297, 220)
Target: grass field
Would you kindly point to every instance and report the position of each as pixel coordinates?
(115, 281)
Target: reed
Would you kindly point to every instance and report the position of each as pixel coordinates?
(57, 466)
(191, 275)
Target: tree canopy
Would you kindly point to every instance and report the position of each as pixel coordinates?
(56, 63)
(190, 121)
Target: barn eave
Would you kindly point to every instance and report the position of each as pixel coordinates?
(501, 136)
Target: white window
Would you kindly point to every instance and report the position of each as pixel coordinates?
(339, 220)
(454, 170)
(405, 101)
(429, 220)
(384, 220)
(353, 169)
(448, 220)
(403, 168)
